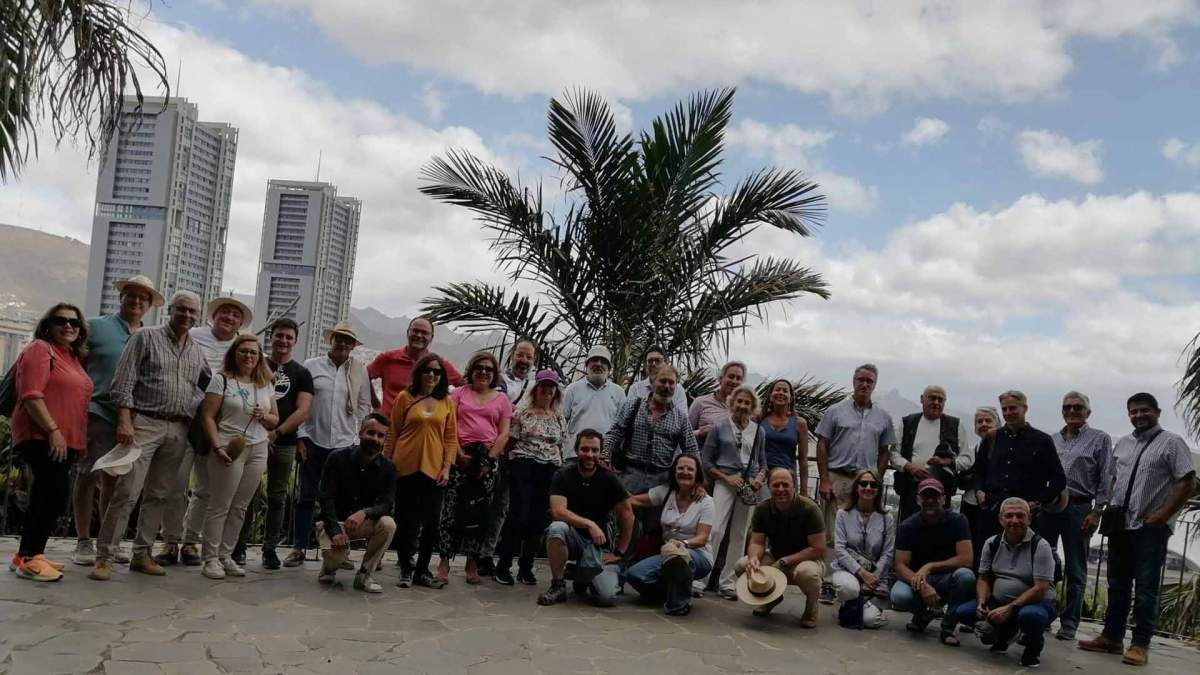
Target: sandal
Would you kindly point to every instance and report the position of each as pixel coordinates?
(949, 639)
(472, 574)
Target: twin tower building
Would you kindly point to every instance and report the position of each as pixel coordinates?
(162, 209)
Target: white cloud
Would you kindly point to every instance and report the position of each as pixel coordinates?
(433, 101)
(790, 146)
(1187, 154)
(1048, 154)
(863, 56)
(925, 130)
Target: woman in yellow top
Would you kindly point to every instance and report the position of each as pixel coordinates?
(423, 443)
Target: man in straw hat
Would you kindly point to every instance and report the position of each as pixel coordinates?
(184, 520)
(341, 399)
(107, 337)
(787, 545)
(154, 389)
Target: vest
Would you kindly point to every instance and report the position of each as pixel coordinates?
(948, 434)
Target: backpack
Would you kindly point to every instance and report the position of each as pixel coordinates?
(994, 545)
(8, 388)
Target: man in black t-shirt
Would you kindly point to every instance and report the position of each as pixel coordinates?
(293, 397)
(581, 497)
(933, 562)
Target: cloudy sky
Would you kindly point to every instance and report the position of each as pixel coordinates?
(1014, 186)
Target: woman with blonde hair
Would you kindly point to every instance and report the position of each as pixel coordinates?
(237, 412)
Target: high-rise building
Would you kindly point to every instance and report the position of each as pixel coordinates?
(306, 262)
(162, 203)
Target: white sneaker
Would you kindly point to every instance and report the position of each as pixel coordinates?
(232, 568)
(213, 569)
(85, 553)
(364, 582)
(122, 556)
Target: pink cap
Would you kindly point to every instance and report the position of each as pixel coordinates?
(931, 484)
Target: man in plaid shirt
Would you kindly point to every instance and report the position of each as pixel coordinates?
(647, 434)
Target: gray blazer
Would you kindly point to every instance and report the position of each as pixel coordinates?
(721, 451)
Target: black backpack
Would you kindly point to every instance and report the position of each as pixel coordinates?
(994, 545)
(8, 388)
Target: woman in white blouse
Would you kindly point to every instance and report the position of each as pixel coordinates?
(687, 519)
(864, 541)
(237, 412)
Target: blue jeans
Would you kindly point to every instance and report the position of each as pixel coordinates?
(590, 571)
(955, 588)
(645, 578)
(1135, 557)
(1068, 525)
(310, 482)
(1031, 619)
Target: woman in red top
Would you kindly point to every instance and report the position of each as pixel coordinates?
(49, 428)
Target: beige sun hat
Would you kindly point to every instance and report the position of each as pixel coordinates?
(143, 282)
(341, 328)
(118, 461)
(761, 586)
(222, 300)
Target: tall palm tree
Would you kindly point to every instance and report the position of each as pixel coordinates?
(71, 62)
(643, 251)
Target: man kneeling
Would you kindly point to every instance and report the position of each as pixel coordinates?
(581, 497)
(787, 532)
(1015, 587)
(358, 488)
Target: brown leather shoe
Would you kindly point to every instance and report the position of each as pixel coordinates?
(1101, 644)
(142, 562)
(101, 571)
(1136, 656)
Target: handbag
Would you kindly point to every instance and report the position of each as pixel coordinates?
(746, 493)
(1113, 520)
(196, 436)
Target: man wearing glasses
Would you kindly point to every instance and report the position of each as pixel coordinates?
(393, 368)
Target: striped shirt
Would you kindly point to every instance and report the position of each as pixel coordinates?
(1166, 461)
(1085, 459)
(855, 435)
(158, 376)
(653, 444)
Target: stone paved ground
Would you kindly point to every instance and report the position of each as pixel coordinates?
(283, 622)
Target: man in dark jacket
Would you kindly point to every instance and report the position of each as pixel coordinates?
(357, 491)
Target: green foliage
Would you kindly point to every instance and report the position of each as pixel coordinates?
(644, 251)
(1188, 387)
(69, 62)
(1179, 608)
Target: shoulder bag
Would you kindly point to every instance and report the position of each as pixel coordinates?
(1113, 520)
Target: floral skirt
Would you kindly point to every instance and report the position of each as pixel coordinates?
(463, 527)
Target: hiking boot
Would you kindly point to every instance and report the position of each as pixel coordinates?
(102, 571)
(85, 553)
(504, 577)
(190, 555)
(36, 568)
(364, 582)
(169, 555)
(526, 577)
(1136, 656)
(142, 562)
(213, 569)
(1101, 644)
(828, 594)
(294, 559)
(232, 568)
(270, 561)
(555, 594)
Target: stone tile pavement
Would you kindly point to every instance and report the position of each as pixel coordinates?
(284, 622)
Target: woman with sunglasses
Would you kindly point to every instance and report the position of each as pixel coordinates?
(422, 442)
(237, 415)
(484, 413)
(864, 540)
(49, 429)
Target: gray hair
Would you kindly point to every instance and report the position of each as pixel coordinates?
(1013, 393)
(747, 390)
(869, 367)
(1014, 501)
(1087, 402)
(990, 412)
(733, 364)
(185, 294)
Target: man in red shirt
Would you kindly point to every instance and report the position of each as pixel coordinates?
(394, 367)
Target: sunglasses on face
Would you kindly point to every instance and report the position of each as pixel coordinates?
(436, 372)
(868, 484)
(485, 369)
(65, 322)
(1073, 408)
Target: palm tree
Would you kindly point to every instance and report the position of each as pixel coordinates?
(70, 61)
(1188, 388)
(643, 252)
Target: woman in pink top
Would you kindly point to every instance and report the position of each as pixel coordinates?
(483, 414)
(49, 428)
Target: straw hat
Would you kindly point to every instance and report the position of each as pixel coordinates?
(761, 586)
(342, 328)
(118, 461)
(143, 282)
(222, 300)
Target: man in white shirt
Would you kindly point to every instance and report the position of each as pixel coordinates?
(592, 402)
(341, 399)
(655, 359)
(932, 445)
(184, 516)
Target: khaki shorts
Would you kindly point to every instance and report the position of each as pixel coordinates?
(101, 437)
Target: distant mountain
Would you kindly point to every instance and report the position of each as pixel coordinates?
(39, 269)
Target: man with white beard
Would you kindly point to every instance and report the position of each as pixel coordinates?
(593, 402)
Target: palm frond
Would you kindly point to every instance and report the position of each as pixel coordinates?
(681, 153)
(785, 199)
(811, 399)
(1188, 388)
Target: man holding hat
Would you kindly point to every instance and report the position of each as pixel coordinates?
(933, 562)
(592, 402)
(787, 546)
(341, 399)
(107, 337)
(226, 316)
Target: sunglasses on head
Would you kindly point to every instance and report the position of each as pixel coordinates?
(868, 484)
(62, 321)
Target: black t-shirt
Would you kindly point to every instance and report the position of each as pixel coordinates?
(290, 380)
(931, 542)
(592, 497)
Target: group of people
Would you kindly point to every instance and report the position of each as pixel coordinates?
(622, 485)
